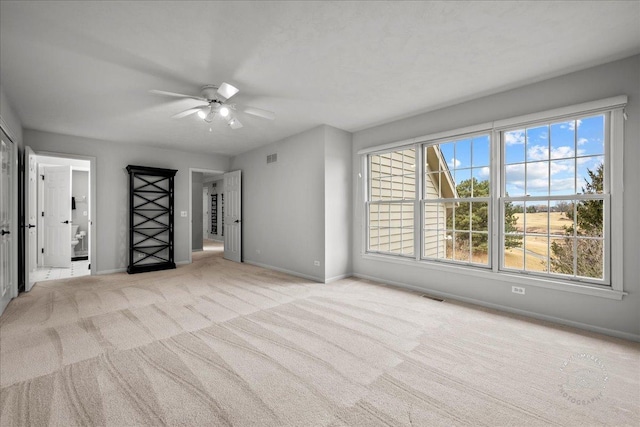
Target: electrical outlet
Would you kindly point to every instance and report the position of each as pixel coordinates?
(316, 263)
(183, 213)
(517, 290)
(84, 213)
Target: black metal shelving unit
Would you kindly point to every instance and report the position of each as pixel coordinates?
(150, 219)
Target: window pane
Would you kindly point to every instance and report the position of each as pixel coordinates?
(562, 255)
(513, 217)
(537, 179)
(514, 180)
(590, 220)
(447, 153)
(536, 253)
(481, 153)
(563, 177)
(432, 184)
(536, 217)
(514, 146)
(591, 136)
(513, 251)
(462, 157)
(481, 186)
(590, 258)
(590, 179)
(480, 216)
(480, 248)
(449, 245)
(433, 244)
(563, 139)
(538, 143)
(463, 182)
(561, 217)
(461, 246)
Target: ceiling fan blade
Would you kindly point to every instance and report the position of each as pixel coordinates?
(188, 112)
(227, 91)
(235, 123)
(265, 114)
(175, 95)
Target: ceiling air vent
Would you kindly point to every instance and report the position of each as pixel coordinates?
(272, 158)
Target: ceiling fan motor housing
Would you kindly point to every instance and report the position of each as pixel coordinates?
(209, 92)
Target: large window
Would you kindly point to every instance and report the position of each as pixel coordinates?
(532, 198)
(554, 198)
(456, 200)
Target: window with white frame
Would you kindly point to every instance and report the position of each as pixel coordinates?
(529, 195)
(556, 188)
(390, 208)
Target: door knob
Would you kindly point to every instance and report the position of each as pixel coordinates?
(65, 222)
(237, 220)
(5, 232)
(31, 226)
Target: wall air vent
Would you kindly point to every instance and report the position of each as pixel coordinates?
(272, 158)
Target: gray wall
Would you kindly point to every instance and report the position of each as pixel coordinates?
(283, 204)
(617, 317)
(80, 190)
(196, 211)
(338, 206)
(298, 210)
(112, 188)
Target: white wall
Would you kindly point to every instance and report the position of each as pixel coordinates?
(298, 210)
(283, 204)
(112, 188)
(620, 318)
(10, 118)
(338, 206)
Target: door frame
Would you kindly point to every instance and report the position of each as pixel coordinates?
(93, 202)
(15, 229)
(191, 170)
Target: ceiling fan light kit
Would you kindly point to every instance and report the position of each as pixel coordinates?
(216, 98)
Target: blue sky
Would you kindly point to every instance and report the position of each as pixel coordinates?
(550, 153)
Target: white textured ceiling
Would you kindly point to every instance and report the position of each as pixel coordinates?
(86, 68)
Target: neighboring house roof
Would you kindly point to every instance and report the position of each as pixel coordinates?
(436, 162)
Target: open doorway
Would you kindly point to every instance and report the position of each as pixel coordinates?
(207, 209)
(59, 240)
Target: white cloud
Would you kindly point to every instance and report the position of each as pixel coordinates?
(582, 141)
(572, 125)
(455, 162)
(514, 137)
(484, 172)
(541, 152)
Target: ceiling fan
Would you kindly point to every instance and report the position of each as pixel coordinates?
(216, 104)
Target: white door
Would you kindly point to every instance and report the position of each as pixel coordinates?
(205, 213)
(31, 217)
(233, 216)
(7, 218)
(57, 216)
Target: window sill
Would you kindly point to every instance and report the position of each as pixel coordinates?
(514, 278)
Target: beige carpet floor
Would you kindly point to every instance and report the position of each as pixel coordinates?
(219, 343)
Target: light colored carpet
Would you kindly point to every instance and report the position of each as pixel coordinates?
(220, 343)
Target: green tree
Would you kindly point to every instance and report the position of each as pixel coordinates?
(589, 222)
(476, 217)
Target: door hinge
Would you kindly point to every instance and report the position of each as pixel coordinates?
(42, 250)
(42, 213)
(42, 177)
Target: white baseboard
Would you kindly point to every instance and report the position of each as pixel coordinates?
(284, 270)
(339, 277)
(566, 322)
(183, 262)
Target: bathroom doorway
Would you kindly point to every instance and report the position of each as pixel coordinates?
(58, 206)
(207, 203)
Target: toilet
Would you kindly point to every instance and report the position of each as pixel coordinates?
(74, 240)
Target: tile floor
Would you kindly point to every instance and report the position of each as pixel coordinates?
(78, 268)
